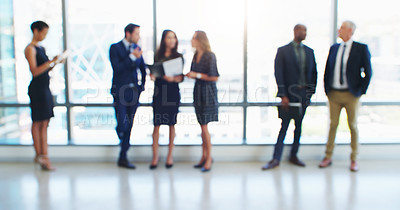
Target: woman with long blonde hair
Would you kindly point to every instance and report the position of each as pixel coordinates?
(204, 70)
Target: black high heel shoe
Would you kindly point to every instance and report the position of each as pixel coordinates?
(203, 169)
(168, 166)
(152, 167)
(200, 165)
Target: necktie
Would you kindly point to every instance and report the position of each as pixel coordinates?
(138, 61)
(299, 54)
(341, 65)
(130, 48)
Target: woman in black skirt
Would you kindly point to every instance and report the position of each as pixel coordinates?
(204, 70)
(39, 92)
(166, 98)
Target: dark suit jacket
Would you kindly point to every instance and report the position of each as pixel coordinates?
(359, 61)
(124, 69)
(287, 73)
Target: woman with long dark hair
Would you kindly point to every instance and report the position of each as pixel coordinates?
(39, 92)
(204, 70)
(166, 98)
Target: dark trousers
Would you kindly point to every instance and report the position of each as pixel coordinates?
(296, 113)
(125, 105)
(281, 137)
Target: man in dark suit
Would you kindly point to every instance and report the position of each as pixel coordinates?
(296, 77)
(347, 76)
(128, 82)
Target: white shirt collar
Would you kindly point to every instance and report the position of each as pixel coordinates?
(348, 43)
(126, 43)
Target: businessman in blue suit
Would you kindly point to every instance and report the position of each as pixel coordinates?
(128, 81)
(347, 77)
(296, 77)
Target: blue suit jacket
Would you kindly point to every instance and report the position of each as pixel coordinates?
(359, 61)
(287, 73)
(124, 69)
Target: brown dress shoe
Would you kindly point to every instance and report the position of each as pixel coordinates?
(354, 166)
(271, 164)
(325, 163)
(297, 162)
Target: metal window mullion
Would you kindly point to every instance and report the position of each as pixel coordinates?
(334, 20)
(66, 77)
(154, 26)
(245, 103)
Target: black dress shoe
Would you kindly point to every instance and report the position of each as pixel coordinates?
(168, 166)
(152, 167)
(271, 164)
(297, 162)
(126, 164)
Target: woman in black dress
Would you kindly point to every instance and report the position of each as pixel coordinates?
(166, 98)
(204, 70)
(39, 92)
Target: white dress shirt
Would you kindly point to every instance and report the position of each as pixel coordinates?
(133, 58)
(336, 74)
(128, 47)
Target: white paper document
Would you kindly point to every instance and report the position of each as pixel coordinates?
(295, 104)
(173, 67)
(63, 56)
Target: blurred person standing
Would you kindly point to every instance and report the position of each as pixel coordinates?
(128, 82)
(296, 77)
(204, 70)
(41, 99)
(166, 98)
(347, 77)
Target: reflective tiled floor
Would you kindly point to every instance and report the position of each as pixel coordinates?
(232, 186)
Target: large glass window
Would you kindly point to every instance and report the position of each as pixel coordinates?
(7, 62)
(381, 33)
(87, 116)
(91, 31)
(25, 13)
(15, 124)
(223, 21)
(270, 26)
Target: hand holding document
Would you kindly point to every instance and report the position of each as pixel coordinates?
(173, 67)
(63, 56)
(293, 110)
(170, 68)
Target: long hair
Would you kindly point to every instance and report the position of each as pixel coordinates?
(161, 50)
(201, 36)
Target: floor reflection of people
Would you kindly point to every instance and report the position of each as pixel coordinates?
(277, 176)
(352, 197)
(156, 190)
(329, 191)
(125, 198)
(43, 191)
(205, 197)
(172, 194)
(296, 194)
